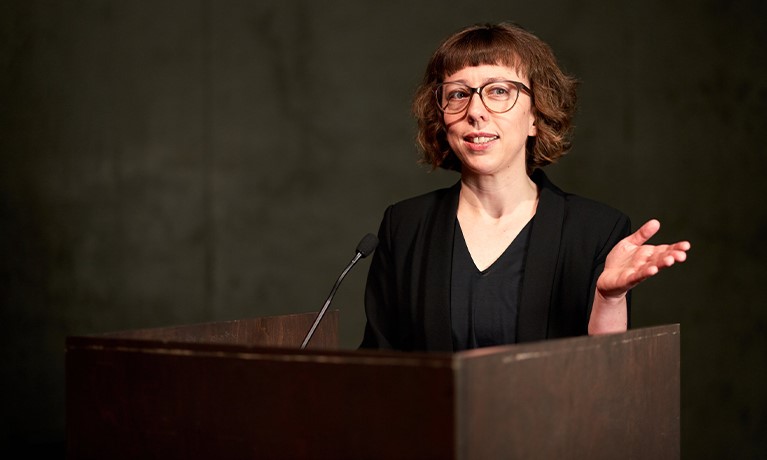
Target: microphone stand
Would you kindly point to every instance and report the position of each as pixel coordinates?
(308, 337)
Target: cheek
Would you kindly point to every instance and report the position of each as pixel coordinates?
(453, 140)
(451, 129)
(449, 121)
(526, 124)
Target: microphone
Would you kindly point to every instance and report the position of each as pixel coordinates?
(365, 248)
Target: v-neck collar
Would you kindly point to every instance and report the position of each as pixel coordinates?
(540, 267)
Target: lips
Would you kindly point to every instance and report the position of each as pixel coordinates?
(480, 138)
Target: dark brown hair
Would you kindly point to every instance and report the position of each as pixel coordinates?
(506, 44)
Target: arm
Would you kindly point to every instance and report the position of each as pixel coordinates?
(379, 327)
(629, 263)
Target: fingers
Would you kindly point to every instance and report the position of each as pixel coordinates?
(648, 230)
(644, 233)
(679, 256)
(667, 258)
(677, 252)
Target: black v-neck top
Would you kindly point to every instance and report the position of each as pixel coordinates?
(484, 304)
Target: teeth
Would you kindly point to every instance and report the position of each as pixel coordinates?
(482, 139)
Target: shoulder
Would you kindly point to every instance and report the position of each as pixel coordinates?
(423, 206)
(427, 214)
(584, 220)
(590, 212)
(577, 209)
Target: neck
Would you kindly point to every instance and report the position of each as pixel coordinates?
(496, 196)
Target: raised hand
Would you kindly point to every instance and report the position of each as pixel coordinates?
(632, 261)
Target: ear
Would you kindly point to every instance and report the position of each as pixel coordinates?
(532, 129)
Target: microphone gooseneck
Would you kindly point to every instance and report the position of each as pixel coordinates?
(366, 247)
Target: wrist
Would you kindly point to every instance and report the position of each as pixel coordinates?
(610, 300)
(609, 314)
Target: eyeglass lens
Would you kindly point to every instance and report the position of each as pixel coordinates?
(497, 96)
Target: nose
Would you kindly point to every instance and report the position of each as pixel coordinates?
(476, 109)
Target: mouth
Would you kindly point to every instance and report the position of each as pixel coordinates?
(479, 140)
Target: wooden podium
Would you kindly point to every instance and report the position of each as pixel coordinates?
(242, 389)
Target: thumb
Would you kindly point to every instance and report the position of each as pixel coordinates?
(644, 233)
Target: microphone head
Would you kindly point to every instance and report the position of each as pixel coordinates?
(367, 245)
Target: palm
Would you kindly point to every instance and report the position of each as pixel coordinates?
(632, 261)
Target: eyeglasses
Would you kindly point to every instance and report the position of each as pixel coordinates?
(497, 96)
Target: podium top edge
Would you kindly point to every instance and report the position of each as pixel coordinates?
(534, 349)
(118, 332)
(433, 359)
(259, 353)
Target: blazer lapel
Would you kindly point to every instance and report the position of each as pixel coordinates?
(541, 262)
(435, 284)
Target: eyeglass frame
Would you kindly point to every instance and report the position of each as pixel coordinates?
(521, 88)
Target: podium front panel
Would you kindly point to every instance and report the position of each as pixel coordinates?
(604, 397)
(204, 391)
(129, 398)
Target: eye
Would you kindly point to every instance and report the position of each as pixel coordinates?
(498, 91)
(457, 94)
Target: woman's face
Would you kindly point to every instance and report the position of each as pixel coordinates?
(489, 143)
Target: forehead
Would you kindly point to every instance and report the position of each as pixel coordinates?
(480, 74)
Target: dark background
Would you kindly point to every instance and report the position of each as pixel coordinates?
(172, 162)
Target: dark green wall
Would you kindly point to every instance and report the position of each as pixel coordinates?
(171, 162)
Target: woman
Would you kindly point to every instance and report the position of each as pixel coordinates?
(503, 256)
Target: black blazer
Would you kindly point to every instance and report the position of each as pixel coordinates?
(407, 298)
